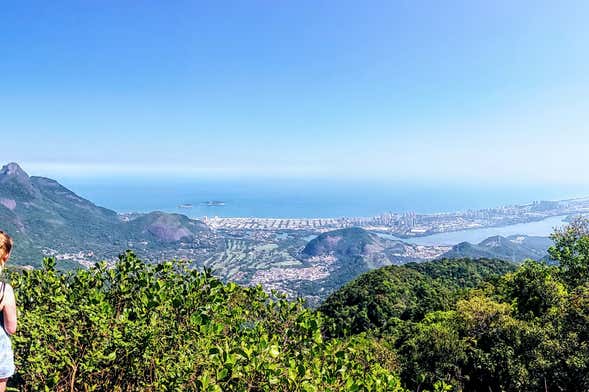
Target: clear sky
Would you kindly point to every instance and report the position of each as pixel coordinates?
(491, 91)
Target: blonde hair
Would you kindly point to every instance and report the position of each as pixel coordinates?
(5, 246)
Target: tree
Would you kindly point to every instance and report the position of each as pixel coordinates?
(536, 289)
(571, 251)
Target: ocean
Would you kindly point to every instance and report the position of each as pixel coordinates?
(302, 198)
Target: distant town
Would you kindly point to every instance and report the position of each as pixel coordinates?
(298, 257)
(410, 224)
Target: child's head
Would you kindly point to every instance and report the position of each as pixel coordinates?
(5, 247)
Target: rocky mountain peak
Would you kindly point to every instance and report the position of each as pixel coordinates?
(16, 182)
(13, 170)
(349, 241)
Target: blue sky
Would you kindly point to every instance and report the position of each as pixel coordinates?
(462, 90)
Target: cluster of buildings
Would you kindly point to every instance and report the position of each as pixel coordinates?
(411, 224)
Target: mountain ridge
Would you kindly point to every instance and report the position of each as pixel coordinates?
(515, 248)
(41, 214)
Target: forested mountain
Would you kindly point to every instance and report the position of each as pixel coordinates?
(479, 325)
(513, 248)
(351, 252)
(357, 248)
(407, 292)
(353, 242)
(43, 216)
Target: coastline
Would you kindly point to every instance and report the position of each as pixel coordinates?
(411, 226)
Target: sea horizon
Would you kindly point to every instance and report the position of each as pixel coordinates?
(304, 199)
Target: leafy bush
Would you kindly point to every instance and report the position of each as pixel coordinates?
(144, 327)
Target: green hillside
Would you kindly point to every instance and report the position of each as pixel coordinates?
(46, 218)
(513, 248)
(352, 242)
(479, 325)
(377, 299)
(354, 251)
(463, 273)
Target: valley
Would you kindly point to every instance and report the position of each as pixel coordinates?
(298, 257)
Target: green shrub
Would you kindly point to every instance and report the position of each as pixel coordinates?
(164, 327)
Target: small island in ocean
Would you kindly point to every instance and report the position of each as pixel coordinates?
(185, 206)
(213, 203)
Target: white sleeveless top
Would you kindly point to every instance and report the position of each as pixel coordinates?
(6, 355)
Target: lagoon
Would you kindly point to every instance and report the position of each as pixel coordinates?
(541, 228)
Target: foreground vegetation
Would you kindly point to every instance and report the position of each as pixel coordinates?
(459, 325)
(526, 330)
(144, 327)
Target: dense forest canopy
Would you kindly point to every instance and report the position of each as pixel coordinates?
(449, 325)
(381, 298)
(479, 325)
